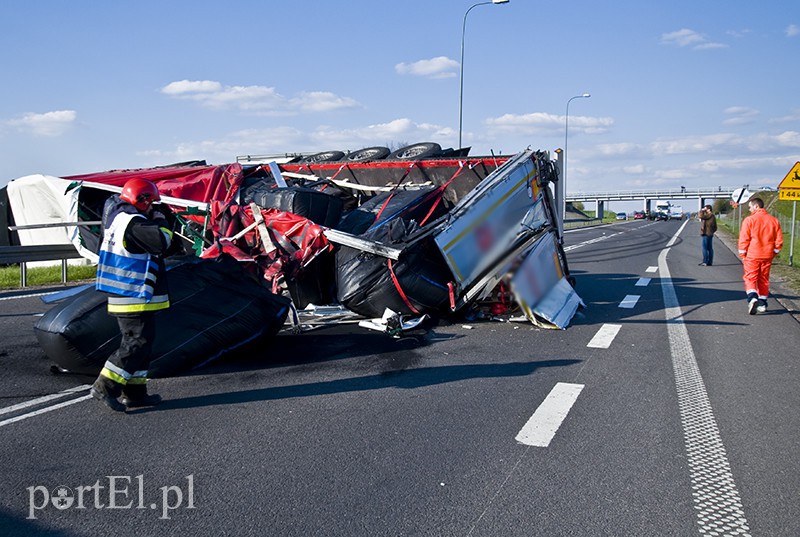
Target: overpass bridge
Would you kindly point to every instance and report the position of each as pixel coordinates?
(702, 195)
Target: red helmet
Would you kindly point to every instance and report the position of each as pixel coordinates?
(141, 193)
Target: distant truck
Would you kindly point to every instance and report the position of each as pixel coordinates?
(662, 211)
(676, 212)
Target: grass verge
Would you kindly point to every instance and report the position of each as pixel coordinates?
(37, 276)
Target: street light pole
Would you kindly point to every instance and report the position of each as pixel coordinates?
(461, 86)
(563, 185)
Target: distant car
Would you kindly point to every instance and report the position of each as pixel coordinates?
(638, 215)
(622, 216)
(656, 215)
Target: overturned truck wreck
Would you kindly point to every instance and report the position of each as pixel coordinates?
(441, 238)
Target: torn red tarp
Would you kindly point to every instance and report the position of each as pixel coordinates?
(292, 243)
(196, 183)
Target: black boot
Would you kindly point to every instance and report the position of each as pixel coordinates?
(107, 391)
(135, 395)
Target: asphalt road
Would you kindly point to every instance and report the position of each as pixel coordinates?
(681, 421)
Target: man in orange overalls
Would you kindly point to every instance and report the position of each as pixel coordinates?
(760, 240)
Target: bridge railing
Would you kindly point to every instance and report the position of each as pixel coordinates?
(672, 193)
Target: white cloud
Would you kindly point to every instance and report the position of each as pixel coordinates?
(321, 101)
(694, 144)
(792, 30)
(192, 87)
(788, 139)
(682, 38)
(689, 38)
(740, 115)
(710, 46)
(439, 67)
(791, 117)
(634, 170)
(277, 140)
(739, 33)
(398, 130)
(47, 124)
(258, 100)
(539, 122)
(617, 149)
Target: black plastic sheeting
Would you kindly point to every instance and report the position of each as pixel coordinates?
(215, 308)
(408, 204)
(365, 284)
(319, 207)
(364, 281)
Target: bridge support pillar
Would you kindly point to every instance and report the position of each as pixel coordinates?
(600, 205)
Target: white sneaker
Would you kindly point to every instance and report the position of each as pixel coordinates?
(761, 308)
(752, 306)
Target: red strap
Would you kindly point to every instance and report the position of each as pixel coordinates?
(440, 192)
(399, 289)
(451, 287)
(343, 166)
(385, 203)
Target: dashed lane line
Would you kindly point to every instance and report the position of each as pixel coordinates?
(605, 336)
(547, 419)
(629, 302)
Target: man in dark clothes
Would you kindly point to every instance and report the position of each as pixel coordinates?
(131, 270)
(708, 226)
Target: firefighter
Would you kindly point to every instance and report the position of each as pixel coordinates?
(131, 270)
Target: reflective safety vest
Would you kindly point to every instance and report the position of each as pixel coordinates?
(129, 278)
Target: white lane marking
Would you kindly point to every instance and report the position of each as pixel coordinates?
(643, 282)
(43, 410)
(44, 399)
(716, 498)
(544, 423)
(651, 269)
(14, 297)
(591, 241)
(674, 239)
(603, 338)
(629, 301)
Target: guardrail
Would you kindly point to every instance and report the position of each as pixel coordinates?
(11, 255)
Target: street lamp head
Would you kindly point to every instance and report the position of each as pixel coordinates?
(500, 1)
(586, 95)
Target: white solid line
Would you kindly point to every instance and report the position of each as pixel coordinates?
(14, 297)
(45, 409)
(715, 495)
(603, 338)
(544, 423)
(643, 282)
(629, 301)
(44, 399)
(651, 269)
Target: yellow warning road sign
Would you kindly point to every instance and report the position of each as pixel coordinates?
(789, 188)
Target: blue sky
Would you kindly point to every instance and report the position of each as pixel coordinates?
(683, 93)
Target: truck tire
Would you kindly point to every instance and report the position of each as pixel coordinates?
(417, 151)
(325, 156)
(368, 153)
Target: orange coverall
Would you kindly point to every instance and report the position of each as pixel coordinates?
(760, 240)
